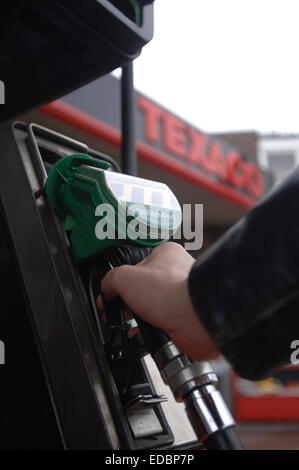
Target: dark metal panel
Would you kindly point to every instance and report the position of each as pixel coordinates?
(59, 317)
(51, 48)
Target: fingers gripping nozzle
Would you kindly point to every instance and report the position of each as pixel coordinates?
(194, 383)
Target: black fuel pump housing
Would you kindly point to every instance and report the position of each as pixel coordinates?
(62, 387)
(51, 48)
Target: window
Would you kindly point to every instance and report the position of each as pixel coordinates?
(281, 164)
(279, 154)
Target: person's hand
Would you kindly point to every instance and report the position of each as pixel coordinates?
(156, 289)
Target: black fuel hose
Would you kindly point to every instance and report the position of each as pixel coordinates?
(226, 439)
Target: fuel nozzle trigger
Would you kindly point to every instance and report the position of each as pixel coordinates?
(120, 345)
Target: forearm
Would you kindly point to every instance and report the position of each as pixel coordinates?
(242, 287)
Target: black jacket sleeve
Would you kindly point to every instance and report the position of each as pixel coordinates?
(245, 288)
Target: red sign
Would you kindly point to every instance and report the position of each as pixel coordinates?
(187, 143)
(275, 398)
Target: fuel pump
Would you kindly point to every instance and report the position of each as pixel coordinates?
(88, 197)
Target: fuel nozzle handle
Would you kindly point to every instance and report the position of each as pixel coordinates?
(193, 383)
(154, 338)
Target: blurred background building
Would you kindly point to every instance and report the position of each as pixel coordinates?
(220, 172)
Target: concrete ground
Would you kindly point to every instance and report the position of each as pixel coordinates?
(276, 436)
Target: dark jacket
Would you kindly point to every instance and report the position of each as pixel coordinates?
(245, 288)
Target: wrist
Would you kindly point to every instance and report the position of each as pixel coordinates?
(187, 331)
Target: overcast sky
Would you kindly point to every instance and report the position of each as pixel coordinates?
(225, 64)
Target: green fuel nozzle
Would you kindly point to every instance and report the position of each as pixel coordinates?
(101, 208)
